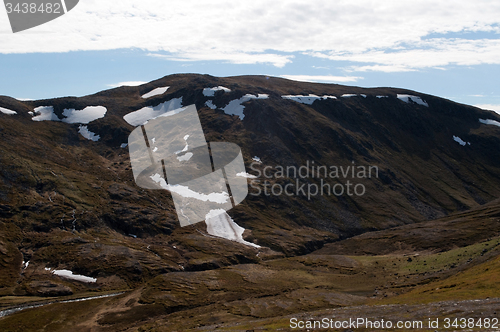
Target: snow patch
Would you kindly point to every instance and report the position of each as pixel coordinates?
(246, 175)
(382, 96)
(88, 134)
(185, 148)
(210, 104)
(124, 145)
(348, 95)
(7, 111)
(184, 191)
(220, 224)
(45, 113)
(235, 108)
(410, 98)
(155, 92)
(185, 157)
(69, 275)
(210, 92)
(147, 113)
(257, 159)
(91, 298)
(460, 141)
(489, 122)
(308, 100)
(362, 95)
(88, 114)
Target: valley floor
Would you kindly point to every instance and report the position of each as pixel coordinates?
(459, 283)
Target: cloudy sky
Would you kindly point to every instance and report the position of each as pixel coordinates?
(446, 48)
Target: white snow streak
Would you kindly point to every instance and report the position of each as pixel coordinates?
(184, 191)
(88, 114)
(210, 104)
(185, 157)
(246, 175)
(69, 275)
(410, 98)
(257, 159)
(220, 224)
(235, 108)
(45, 113)
(147, 113)
(7, 111)
(155, 92)
(210, 92)
(490, 122)
(308, 100)
(85, 132)
(460, 141)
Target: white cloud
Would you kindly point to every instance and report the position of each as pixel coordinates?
(490, 107)
(232, 57)
(382, 68)
(381, 35)
(127, 83)
(325, 78)
(433, 53)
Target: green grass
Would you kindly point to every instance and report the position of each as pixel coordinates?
(427, 262)
(444, 260)
(478, 282)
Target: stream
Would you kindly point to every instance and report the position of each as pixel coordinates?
(10, 311)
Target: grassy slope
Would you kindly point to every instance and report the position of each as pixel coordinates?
(263, 294)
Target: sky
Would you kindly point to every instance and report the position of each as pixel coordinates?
(446, 48)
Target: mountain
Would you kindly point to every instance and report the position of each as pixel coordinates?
(422, 170)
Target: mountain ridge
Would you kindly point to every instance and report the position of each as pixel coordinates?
(344, 129)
